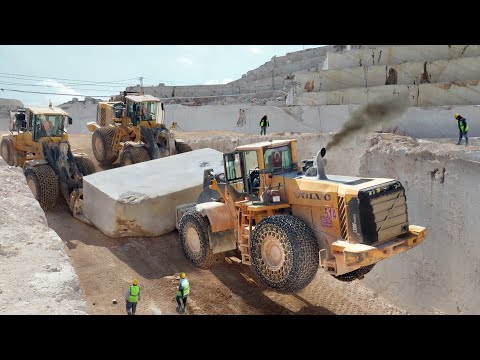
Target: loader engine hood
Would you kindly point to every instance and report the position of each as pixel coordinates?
(378, 214)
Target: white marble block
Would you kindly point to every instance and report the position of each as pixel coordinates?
(141, 199)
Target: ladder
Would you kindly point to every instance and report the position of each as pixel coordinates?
(245, 232)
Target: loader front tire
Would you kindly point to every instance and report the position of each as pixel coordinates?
(133, 155)
(193, 233)
(182, 147)
(43, 183)
(85, 165)
(6, 151)
(103, 147)
(284, 253)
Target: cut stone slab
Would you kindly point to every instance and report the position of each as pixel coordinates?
(141, 199)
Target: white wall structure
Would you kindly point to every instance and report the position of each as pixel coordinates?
(419, 122)
(389, 55)
(81, 113)
(410, 73)
(436, 94)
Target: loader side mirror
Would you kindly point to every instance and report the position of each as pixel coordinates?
(70, 121)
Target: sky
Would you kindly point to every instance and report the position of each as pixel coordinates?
(104, 70)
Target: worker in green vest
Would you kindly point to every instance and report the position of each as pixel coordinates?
(182, 294)
(463, 128)
(132, 297)
(264, 124)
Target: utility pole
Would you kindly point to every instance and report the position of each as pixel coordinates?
(141, 84)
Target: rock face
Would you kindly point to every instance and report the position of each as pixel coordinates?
(37, 276)
(441, 182)
(140, 199)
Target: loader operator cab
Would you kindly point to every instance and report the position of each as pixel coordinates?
(144, 108)
(46, 123)
(244, 166)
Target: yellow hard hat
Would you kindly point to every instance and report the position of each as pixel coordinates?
(456, 115)
(135, 282)
(182, 275)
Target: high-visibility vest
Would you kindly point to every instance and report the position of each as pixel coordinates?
(133, 297)
(462, 125)
(186, 287)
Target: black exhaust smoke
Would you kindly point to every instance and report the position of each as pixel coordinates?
(364, 120)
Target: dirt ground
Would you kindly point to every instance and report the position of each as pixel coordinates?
(106, 267)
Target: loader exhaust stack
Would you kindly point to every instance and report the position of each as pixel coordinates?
(320, 166)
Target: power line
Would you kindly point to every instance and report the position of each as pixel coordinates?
(38, 85)
(65, 83)
(62, 83)
(53, 78)
(49, 93)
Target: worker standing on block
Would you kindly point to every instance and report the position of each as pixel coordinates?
(182, 294)
(132, 297)
(463, 127)
(264, 124)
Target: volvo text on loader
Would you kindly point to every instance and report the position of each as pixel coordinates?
(286, 220)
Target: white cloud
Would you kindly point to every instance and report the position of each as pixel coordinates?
(54, 86)
(185, 60)
(254, 50)
(217, 82)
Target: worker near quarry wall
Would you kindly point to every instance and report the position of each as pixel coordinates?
(463, 128)
(132, 297)
(182, 293)
(264, 124)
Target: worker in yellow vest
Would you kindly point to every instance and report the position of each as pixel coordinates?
(132, 297)
(182, 294)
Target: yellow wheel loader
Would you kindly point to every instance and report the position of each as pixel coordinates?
(287, 221)
(133, 129)
(38, 142)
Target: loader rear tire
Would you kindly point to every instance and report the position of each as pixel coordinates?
(85, 165)
(44, 185)
(102, 146)
(182, 147)
(133, 155)
(6, 151)
(284, 253)
(193, 233)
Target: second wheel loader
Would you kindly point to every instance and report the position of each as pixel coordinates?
(132, 129)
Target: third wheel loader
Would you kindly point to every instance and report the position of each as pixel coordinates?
(38, 142)
(133, 129)
(286, 221)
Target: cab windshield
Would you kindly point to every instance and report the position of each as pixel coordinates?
(278, 159)
(50, 125)
(146, 110)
